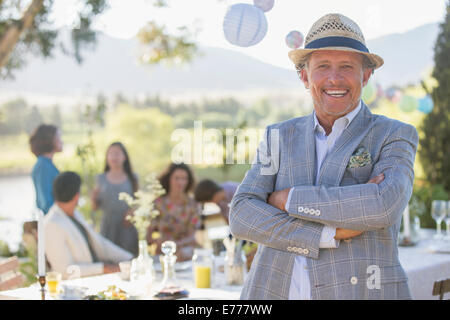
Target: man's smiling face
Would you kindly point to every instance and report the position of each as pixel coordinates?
(335, 79)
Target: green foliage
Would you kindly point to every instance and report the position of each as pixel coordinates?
(435, 145)
(145, 133)
(4, 249)
(41, 37)
(158, 45)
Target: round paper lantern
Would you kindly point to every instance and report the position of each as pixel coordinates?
(425, 104)
(244, 25)
(294, 39)
(369, 93)
(408, 103)
(264, 5)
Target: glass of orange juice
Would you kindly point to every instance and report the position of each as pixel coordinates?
(203, 267)
(53, 282)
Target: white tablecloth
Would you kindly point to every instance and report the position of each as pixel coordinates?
(423, 267)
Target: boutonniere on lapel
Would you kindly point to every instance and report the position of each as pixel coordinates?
(360, 158)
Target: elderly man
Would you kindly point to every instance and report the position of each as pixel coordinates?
(325, 194)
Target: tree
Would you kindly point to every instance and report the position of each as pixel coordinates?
(33, 120)
(26, 27)
(56, 118)
(14, 112)
(435, 143)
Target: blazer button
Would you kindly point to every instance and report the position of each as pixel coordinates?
(353, 280)
(305, 251)
(317, 212)
(300, 209)
(289, 249)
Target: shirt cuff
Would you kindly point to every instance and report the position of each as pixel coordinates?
(327, 238)
(288, 201)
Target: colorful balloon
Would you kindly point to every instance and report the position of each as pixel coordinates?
(380, 91)
(408, 103)
(426, 104)
(393, 94)
(244, 25)
(264, 5)
(294, 39)
(369, 93)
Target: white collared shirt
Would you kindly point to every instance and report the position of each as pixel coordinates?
(300, 288)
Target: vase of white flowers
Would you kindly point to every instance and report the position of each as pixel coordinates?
(143, 212)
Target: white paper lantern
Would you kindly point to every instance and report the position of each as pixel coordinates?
(244, 25)
(264, 5)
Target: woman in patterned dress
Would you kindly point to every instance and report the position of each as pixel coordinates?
(179, 214)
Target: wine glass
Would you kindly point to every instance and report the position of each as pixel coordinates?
(438, 212)
(447, 222)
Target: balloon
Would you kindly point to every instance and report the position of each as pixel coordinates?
(264, 5)
(294, 39)
(408, 103)
(393, 94)
(380, 92)
(369, 93)
(426, 104)
(244, 25)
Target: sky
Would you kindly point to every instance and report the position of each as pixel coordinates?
(375, 17)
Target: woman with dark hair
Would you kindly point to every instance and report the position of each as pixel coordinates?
(44, 143)
(180, 214)
(117, 177)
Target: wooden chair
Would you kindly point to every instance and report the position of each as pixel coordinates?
(441, 287)
(10, 277)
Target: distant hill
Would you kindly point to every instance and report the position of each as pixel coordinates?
(112, 68)
(407, 56)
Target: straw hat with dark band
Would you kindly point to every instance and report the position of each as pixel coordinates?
(334, 31)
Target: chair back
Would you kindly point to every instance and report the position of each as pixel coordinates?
(441, 287)
(10, 277)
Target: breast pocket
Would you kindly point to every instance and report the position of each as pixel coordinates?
(360, 174)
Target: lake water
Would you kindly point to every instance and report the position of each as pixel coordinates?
(17, 205)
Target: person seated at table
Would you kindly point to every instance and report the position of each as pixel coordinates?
(72, 246)
(221, 194)
(179, 214)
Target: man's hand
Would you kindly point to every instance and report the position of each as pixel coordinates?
(344, 234)
(278, 199)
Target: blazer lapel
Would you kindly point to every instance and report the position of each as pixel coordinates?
(336, 161)
(303, 147)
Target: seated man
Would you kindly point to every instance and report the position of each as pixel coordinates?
(72, 246)
(209, 191)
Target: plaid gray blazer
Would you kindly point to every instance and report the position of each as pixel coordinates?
(364, 267)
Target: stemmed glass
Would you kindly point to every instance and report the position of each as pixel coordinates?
(438, 212)
(447, 222)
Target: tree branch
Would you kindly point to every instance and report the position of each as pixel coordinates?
(12, 34)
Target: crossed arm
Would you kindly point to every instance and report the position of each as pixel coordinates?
(361, 207)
